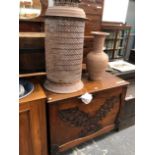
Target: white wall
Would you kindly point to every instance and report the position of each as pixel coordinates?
(115, 10)
(130, 18)
(50, 2)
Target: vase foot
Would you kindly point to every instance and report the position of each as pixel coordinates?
(63, 88)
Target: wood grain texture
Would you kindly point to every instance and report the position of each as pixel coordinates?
(76, 142)
(38, 127)
(31, 52)
(37, 94)
(31, 46)
(93, 10)
(31, 25)
(67, 126)
(38, 74)
(109, 81)
(31, 35)
(32, 74)
(32, 125)
(25, 140)
(67, 113)
(89, 117)
(115, 25)
(32, 60)
(120, 113)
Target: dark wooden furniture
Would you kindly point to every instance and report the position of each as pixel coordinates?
(128, 111)
(93, 10)
(30, 52)
(71, 122)
(32, 123)
(31, 25)
(117, 42)
(102, 115)
(132, 56)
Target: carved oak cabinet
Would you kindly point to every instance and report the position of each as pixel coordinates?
(71, 122)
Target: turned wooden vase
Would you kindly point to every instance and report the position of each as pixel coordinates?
(97, 60)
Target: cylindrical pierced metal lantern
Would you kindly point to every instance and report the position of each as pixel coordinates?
(64, 28)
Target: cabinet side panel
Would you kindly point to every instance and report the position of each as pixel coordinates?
(25, 141)
(38, 127)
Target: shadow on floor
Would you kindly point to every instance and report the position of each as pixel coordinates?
(114, 143)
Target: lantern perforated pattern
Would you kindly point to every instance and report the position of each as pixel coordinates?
(64, 49)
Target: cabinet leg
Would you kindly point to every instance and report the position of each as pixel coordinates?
(117, 128)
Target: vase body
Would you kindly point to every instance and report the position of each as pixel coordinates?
(64, 28)
(97, 60)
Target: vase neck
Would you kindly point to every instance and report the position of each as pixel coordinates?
(98, 43)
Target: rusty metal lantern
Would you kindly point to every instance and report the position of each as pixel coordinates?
(64, 28)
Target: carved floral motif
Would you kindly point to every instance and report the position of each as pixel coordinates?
(90, 124)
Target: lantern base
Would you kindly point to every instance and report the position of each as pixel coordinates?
(63, 88)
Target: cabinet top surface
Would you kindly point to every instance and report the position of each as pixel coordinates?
(109, 81)
(38, 93)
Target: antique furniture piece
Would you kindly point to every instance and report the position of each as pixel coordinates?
(102, 115)
(31, 43)
(132, 56)
(31, 25)
(32, 123)
(117, 42)
(128, 111)
(64, 29)
(93, 10)
(31, 52)
(31, 47)
(97, 60)
(71, 122)
(34, 24)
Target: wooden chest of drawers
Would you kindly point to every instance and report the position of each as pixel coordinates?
(71, 122)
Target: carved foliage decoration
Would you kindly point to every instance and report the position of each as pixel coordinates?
(90, 124)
